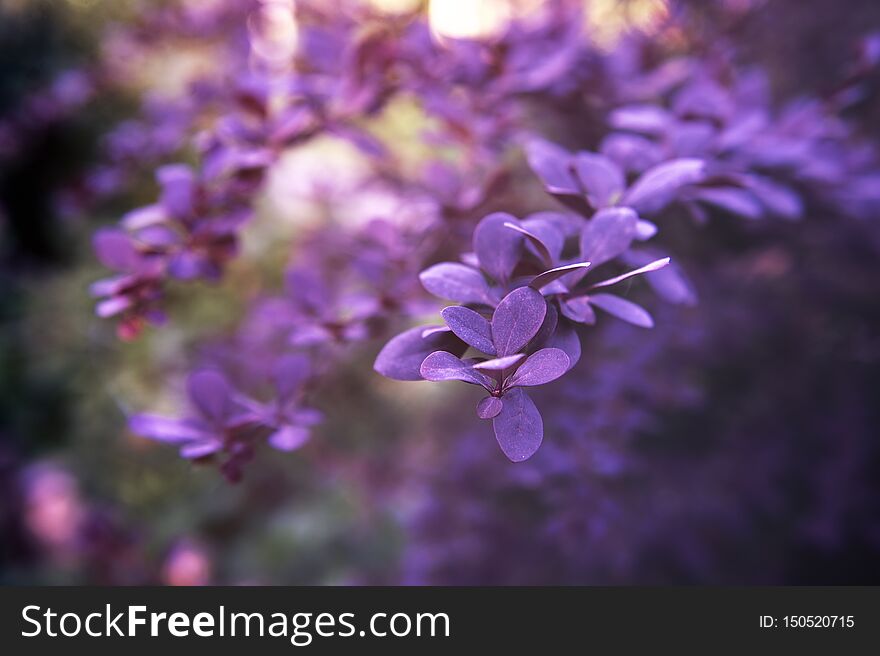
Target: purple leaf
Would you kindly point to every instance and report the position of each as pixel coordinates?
(551, 164)
(651, 266)
(500, 364)
(547, 327)
(211, 394)
(535, 241)
(645, 119)
(186, 265)
(546, 227)
(517, 318)
(623, 309)
(178, 194)
(544, 279)
(440, 366)
(470, 326)
(566, 339)
(289, 438)
(658, 185)
(456, 282)
(402, 357)
(540, 367)
(779, 200)
(601, 178)
(427, 332)
(157, 236)
(200, 449)
(115, 250)
(519, 428)
(578, 309)
(608, 234)
(497, 247)
(290, 373)
(669, 282)
(645, 230)
(143, 217)
(489, 407)
(738, 202)
(166, 429)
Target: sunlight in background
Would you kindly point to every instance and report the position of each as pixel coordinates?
(608, 20)
(273, 31)
(395, 6)
(469, 19)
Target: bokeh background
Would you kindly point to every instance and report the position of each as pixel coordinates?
(737, 442)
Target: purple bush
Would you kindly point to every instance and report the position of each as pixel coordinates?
(561, 190)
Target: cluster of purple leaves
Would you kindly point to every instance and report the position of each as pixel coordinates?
(528, 284)
(228, 423)
(763, 159)
(691, 134)
(263, 113)
(328, 304)
(692, 456)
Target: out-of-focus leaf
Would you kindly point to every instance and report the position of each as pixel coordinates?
(623, 309)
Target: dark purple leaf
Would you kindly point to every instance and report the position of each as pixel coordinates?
(456, 282)
(517, 319)
(519, 428)
(402, 357)
(497, 247)
(623, 309)
(470, 326)
(540, 367)
(566, 339)
(440, 366)
(489, 407)
(608, 234)
(547, 327)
